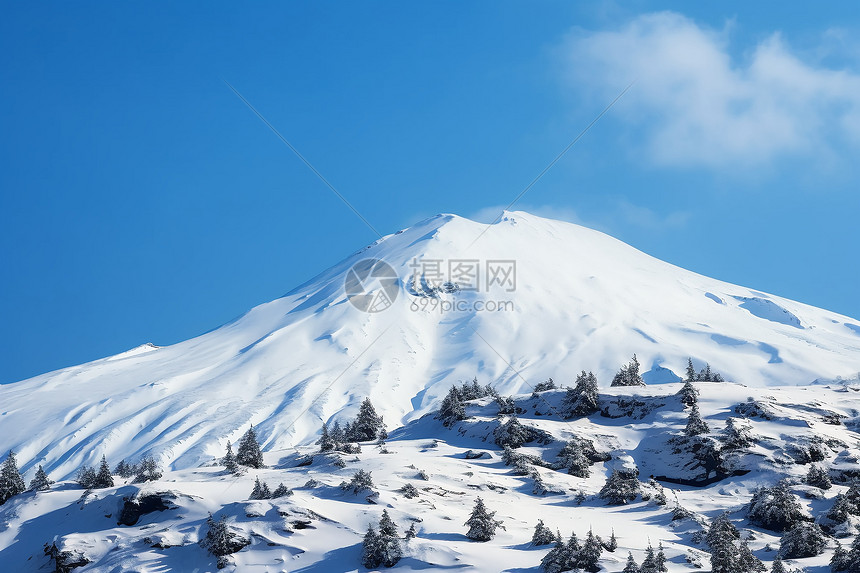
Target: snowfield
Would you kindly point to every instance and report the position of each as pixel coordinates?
(581, 301)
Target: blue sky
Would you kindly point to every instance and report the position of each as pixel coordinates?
(140, 200)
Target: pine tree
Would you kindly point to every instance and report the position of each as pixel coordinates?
(840, 561)
(325, 441)
(337, 434)
(583, 399)
(543, 535)
(361, 480)
(370, 553)
(482, 526)
(818, 477)
(281, 491)
(249, 453)
(366, 425)
(229, 460)
(722, 539)
(628, 375)
(573, 458)
(612, 544)
(555, 560)
(86, 477)
(41, 481)
(840, 510)
(630, 566)
(103, 476)
(649, 564)
(748, 562)
(452, 409)
(11, 480)
(620, 488)
(389, 541)
(691, 372)
(737, 435)
(688, 393)
(660, 558)
(695, 424)
(147, 470)
(775, 508)
(260, 491)
(511, 433)
(410, 533)
(218, 540)
(802, 540)
(778, 566)
(589, 555)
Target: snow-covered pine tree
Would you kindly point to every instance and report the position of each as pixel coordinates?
(217, 539)
(361, 480)
(582, 399)
(543, 535)
(840, 560)
(411, 533)
(612, 544)
(281, 491)
(649, 564)
(370, 549)
(775, 508)
(840, 510)
(147, 470)
(86, 477)
(573, 458)
(660, 558)
(325, 441)
(389, 541)
(452, 409)
(229, 460)
(620, 488)
(722, 539)
(819, 477)
(40, 481)
(802, 540)
(103, 476)
(748, 562)
(482, 525)
(260, 491)
(630, 566)
(778, 566)
(11, 480)
(511, 433)
(122, 470)
(628, 375)
(554, 561)
(695, 424)
(367, 424)
(737, 434)
(549, 384)
(691, 372)
(249, 454)
(688, 393)
(507, 406)
(337, 434)
(589, 555)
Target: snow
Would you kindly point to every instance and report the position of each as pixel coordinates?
(583, 300)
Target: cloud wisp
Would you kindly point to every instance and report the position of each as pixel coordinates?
(694, 104)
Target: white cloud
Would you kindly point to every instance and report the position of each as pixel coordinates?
(697, 105)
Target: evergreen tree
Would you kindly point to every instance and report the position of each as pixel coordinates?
(748, 562)
(249, 453)
(722, 539)
(775, 508)
(589, 555)
(802, 540)
(147, 470)
(853, 497)
(366, 425)
(482, 525)
(124, 470)
(410, 533)
(737, 435)
(103, 476)
(649, 564)
(544, 386)
(260, 491)
(389, 541)
(86, 477)
(612, 544)
(630, 566)
(573, 458)
(452, 409)
(229, 460)
(555, 560)
(361, 480)
(337, 434)
(11, 480)
(778, 566)
(41, 481)
(218, 539)
(818, 477)
(583, 399)
(620, 488)
(281, 491)
(688, 393)
(511, 433)
(325, 441)
(840, 561)
(660, 558)
(543, 535)
(840, 510)
(370, 553)
(628, 375)
(695, 424)
(691, 372)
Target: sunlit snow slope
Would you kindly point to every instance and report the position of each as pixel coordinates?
(583, 300)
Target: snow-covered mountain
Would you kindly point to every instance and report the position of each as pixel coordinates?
(581, 300)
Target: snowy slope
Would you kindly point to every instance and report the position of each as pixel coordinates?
(320, 527)
(583, 300)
